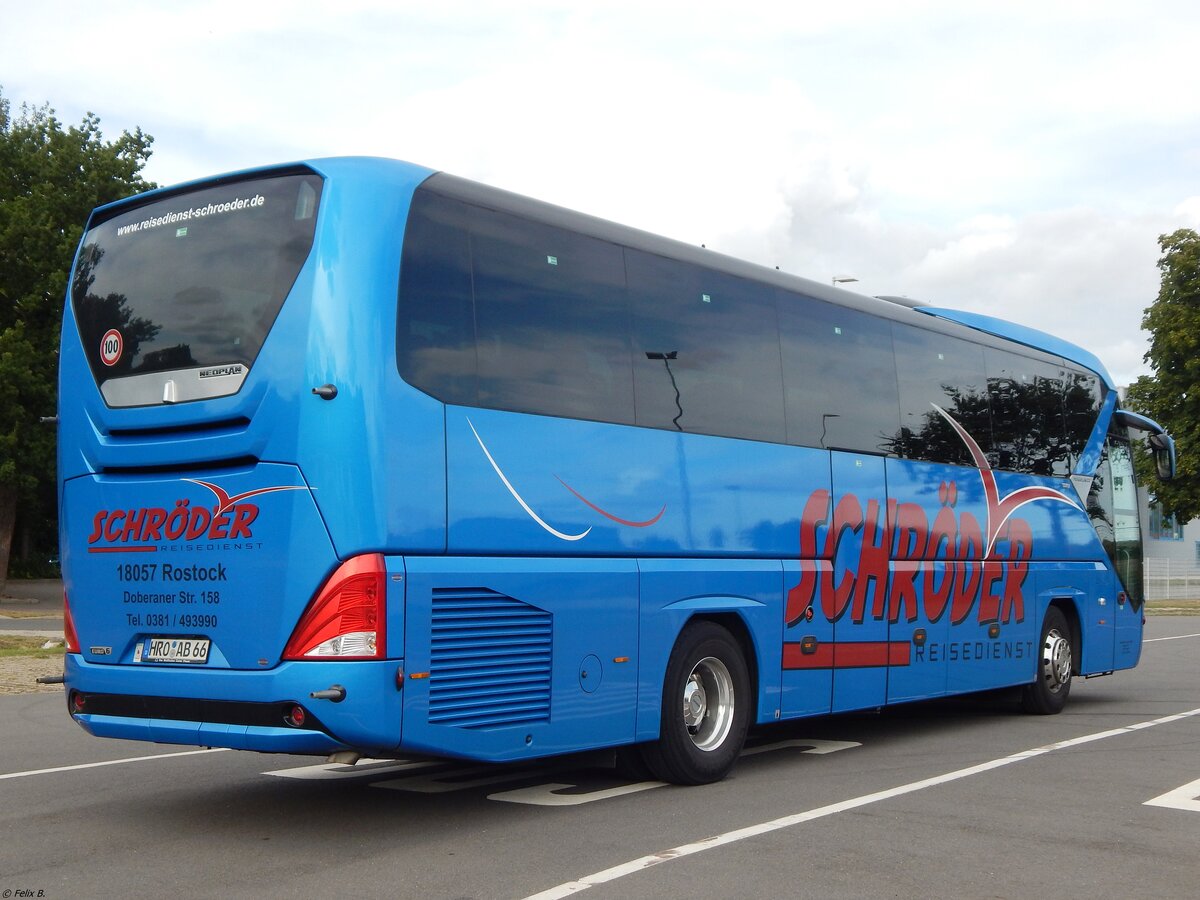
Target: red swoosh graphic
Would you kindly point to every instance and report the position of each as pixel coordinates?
(225, 501)
(1000, 509)
(609, 515)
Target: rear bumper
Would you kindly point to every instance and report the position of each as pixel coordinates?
(235, 709)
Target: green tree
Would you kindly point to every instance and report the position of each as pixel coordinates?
(1171, 396)
(51, 177)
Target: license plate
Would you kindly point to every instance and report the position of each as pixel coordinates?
(176, 650)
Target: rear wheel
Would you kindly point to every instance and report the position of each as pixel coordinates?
(705, 708)
(1048, 693)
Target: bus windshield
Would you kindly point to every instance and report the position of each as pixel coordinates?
(191, 281)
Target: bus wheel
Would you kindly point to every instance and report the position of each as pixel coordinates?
(705, 708)
(1048, 693)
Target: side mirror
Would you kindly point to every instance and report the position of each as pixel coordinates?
(1162, 445)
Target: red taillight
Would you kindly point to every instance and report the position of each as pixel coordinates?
(347, 618)
(70, 638)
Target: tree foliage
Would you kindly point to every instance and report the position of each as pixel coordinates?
(1171, 395)
(51, 177)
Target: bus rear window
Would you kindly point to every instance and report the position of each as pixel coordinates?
(193, 281)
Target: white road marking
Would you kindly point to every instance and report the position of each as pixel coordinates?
(1186, 798)
(637, 865)
(1176, 637)
(334, 771)
(456, 780)
(811, 746)
(111, 762)
(460, 779)
(547, 794)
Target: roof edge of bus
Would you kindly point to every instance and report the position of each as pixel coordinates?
(317, 164)
(471, 191)
(1022, 334)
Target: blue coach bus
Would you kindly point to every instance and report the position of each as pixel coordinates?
(360, 458)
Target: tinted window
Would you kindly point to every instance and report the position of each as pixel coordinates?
(195, 279)
(1112, 506)
(503, 312)
(1081, 408)
(551, 319)
(1028, 424)
(1127, 535)
(936, 369)
(706, 350)
(1100, 504)
(435, 338)
(839, 376)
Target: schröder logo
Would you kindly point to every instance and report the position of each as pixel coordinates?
(140, 530)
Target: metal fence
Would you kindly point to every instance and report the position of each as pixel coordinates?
(1170, 580)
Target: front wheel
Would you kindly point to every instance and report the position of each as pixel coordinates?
(1048, 693)
(705, 708)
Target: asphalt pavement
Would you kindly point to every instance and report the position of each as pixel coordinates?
(32, 606)
(965, 797)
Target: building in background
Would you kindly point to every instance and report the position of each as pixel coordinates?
(1172, 553)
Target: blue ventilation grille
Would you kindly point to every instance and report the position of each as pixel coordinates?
(490, 662)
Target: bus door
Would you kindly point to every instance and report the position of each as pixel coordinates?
(861, 551)
(807, 686)
(923, 570)
(807, 683)
(993, 620)
(1124, 547)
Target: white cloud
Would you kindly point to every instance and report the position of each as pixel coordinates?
(1188, 212)
(1008, 156)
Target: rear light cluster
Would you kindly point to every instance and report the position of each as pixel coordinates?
(70, 637)
(347, 618)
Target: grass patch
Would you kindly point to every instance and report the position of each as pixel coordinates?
(31, 614)
(23, 645)
(1173, 607)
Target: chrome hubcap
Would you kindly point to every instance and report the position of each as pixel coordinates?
(708, 702)
(1056, 660)
(695, 703)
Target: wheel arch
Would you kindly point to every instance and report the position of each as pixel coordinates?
(1067, 606)
(706, 702)
(730, 617)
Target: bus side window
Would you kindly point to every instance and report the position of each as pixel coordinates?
(934, 368)
(839, 375)
(1028, 428)
(552, 316)
(435, 335)
(706, 350)
(1081, 405)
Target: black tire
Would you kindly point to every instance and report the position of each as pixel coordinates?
(1048, 693)
(705, 708)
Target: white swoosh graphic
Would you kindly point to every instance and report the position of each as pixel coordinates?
(1001, 508)
(525, 506)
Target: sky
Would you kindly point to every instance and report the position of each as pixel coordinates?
(1001, 156)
